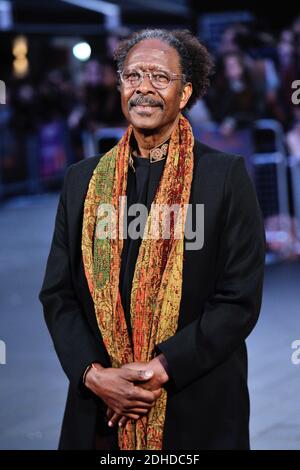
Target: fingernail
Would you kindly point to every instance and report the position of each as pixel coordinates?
(120, 424)
(110, 424)
(148, 373)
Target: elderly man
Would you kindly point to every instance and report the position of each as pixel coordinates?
(151, 330)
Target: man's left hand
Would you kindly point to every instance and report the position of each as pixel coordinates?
(159, 378)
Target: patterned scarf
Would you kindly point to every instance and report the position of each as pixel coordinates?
(157, 281)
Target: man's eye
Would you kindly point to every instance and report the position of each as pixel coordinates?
(161, 77)
(132, 76)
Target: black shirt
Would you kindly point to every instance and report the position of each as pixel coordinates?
(141, 188)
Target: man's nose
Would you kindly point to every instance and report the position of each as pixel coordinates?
(146, 85)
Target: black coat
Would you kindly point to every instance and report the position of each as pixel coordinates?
(208, 402)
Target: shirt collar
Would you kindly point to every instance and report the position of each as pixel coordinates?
(156, 154)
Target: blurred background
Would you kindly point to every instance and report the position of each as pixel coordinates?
(59, 104)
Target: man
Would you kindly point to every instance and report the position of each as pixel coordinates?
(151, 331)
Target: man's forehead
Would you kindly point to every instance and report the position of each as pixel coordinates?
(149, 56)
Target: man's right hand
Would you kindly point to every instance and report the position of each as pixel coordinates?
(118, 388)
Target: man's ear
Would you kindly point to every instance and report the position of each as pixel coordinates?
(186, 93)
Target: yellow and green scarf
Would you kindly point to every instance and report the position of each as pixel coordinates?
(157, 281)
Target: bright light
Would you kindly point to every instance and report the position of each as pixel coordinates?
(20, 66)
(82, 51)
(20, 50)
(20, 46)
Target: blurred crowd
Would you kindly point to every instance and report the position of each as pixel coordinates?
(253, 79)
(54, 113)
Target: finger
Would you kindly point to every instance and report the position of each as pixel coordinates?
(114, 419)
(129, 406)
(140, 394)
(123, 421)
(141, 411)
(146, 396)
(136, 375)
(152, 388)
(109, 413)
(135, 413)
(157, 393)
(132, 416)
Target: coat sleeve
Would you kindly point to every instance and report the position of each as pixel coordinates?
(73, 339)
(232, 310)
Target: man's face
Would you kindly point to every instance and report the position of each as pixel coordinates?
(144, 106)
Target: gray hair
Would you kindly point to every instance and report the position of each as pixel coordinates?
(196, 63)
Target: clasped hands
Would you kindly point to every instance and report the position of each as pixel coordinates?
(129, 391)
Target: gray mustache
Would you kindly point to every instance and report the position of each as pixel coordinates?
(143, 101)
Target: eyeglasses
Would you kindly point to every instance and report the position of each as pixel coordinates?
(160, 79)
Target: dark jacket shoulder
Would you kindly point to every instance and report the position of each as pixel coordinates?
(85, 166)
(203, 151)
